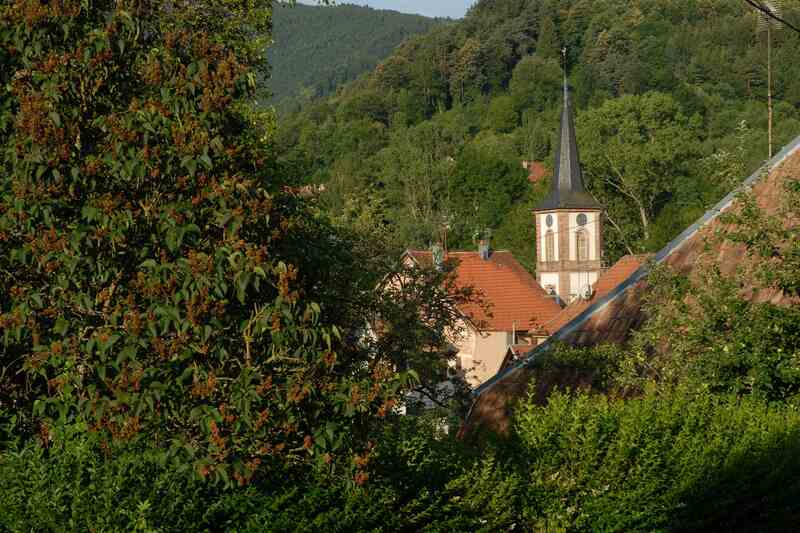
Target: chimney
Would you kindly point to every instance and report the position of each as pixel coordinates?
(484, 250)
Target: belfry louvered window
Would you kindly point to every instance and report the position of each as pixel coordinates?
(582, 245)
(550, 246)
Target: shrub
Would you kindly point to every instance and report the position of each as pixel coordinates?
(674, 458)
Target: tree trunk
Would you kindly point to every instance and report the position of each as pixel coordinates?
(645, 222)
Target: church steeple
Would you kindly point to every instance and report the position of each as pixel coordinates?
(568, 222)
(567, 189)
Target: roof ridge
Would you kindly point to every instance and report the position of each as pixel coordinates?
(659, 257)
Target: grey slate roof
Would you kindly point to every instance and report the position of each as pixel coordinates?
(567, 190)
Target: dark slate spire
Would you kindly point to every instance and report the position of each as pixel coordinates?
(567, 191)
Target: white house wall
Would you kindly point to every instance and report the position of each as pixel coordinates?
(577, 280)
(549, 278)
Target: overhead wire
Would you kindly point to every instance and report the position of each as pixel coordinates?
(771, 14)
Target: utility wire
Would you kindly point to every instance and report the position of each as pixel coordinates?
(755, 4)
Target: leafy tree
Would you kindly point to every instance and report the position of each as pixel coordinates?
(536, 84)
(547, 46)
(633, 149)
(484, 186)
(468, 79)
(162, 283)
(416, 168)
(502, 117)
(533, 138)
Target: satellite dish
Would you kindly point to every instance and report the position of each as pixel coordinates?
(587, 292)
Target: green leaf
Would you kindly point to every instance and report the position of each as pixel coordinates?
(190, 165)
(61, 326)
(55, 118)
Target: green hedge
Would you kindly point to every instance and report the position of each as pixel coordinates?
(674, 460)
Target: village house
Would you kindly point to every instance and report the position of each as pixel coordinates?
(517, 308)
(523, 310)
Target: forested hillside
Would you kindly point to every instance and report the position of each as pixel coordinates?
(318, 48)
(671, 99)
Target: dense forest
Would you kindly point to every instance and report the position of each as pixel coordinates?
(439, 129)
(318, 48)
(191, 340)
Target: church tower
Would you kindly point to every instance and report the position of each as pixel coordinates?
(569, 237)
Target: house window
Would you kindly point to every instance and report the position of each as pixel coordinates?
(582, 245)
(550, 246)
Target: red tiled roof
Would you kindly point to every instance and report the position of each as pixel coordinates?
(536, 171)
(510, 292)
(514, 353)
(607, 282)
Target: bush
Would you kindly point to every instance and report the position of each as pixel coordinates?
(81, 486)
(676, 458)
(673, 459)
(75, 486)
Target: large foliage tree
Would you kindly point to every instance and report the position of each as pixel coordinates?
(158, 280)
(634, 151)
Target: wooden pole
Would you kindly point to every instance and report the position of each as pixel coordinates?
(769, 84)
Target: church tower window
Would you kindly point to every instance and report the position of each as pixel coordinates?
(582, 245)
(550, 246)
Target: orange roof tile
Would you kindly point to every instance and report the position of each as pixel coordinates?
(607, 282)
(514, 297)
(514, 353)
(537, 171)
